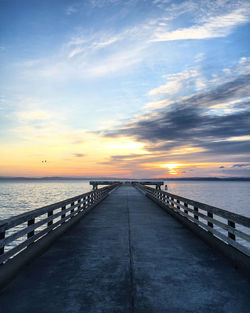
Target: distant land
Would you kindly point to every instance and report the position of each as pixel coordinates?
(9, 178)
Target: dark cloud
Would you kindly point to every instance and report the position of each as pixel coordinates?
(127, 157)
(241, 165)
(222, 167)
(190, 124)
(193, 122)
(79, 155)
(241, 172)
(228, 147)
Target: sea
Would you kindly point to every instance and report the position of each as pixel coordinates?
(17, 197)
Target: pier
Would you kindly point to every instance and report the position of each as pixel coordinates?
(97, 183)
(126, 247)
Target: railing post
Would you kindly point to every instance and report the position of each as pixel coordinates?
(2, 236)
(63, 215)
(158, 195)
(79, 206)
(196, 210)
(186, 205)
(31, 233)
(164, 198)
(87, 201)
(231, 235)
(72, 204)
(171, 198)
(210, 224)
(167, 199)
(50, 213)
(178, 201)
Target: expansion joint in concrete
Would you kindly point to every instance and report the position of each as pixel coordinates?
(131, 262)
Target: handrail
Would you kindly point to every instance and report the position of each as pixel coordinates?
(232, 230)
(27, 225)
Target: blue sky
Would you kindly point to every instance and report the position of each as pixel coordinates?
(143, 88)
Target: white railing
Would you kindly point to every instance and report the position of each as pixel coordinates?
(231, 228)
(19, 232)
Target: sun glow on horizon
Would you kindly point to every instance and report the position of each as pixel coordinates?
(172, 167)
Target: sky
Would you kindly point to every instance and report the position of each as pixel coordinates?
(137, 88)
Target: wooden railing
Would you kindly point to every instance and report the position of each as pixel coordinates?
(19, 232)
(231, 228)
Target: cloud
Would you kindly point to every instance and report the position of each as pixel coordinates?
(241, 165)
(36, 115)
(175, 83)
(115, 63)
(79, 155)
(192, 122)
(228, 147)
(88, 56)
(192, 79)
(216, 26)
(94, 4)
(170, 88)
(127, 157)
(158, 104)
(222, 167)
(72, 9)
(103, 3)
(199, 57)
(84, 45)
(244, 65)
(34, 118)
(110, 50)
(78, 70)
(175, 9)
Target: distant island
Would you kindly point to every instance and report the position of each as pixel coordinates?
(9, 178)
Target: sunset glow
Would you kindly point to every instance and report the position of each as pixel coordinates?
(172, 167)
(125, 88)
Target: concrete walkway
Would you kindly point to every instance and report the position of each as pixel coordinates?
(128, 256)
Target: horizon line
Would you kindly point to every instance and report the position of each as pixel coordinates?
(122, 178)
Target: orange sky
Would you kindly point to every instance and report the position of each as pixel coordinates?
(125, 88)
(95, 156)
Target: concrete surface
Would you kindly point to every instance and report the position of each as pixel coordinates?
(127, 256)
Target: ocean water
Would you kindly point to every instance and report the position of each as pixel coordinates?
(23, 196)
(227, 195)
